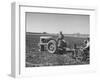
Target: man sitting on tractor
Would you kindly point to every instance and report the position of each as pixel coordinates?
(61, 44)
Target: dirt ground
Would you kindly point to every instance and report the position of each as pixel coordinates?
(35, 58)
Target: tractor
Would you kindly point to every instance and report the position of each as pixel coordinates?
(48, 43)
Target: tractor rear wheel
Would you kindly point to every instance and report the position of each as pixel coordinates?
(52, 46)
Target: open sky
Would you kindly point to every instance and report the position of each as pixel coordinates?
(53, 23)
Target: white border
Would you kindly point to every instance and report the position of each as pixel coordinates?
(20, 69)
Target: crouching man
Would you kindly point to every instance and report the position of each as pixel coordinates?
(86, 49)
(87, 45)
(61, 43)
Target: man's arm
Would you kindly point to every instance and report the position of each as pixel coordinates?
(87, 45)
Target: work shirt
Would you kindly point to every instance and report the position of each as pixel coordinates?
(87, 46)
(61, 44)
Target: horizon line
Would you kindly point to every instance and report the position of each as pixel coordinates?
(58, 33)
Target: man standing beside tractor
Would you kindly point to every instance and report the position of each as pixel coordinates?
(87, 44)
(86, 49)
